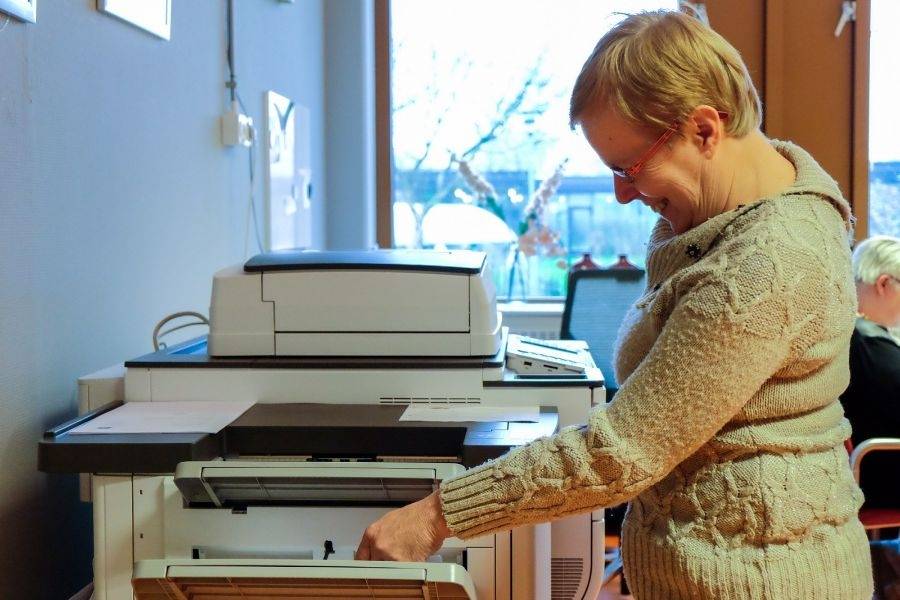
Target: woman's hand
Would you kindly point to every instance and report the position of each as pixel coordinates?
(412, 533)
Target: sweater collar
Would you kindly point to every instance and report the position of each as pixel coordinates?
(812, 180)
(668, 253)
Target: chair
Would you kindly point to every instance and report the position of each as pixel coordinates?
(596, 303)
(875, 519)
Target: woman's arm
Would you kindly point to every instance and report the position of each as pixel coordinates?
(763, 297)
(732, 328)
(701, 370)
(711, 357)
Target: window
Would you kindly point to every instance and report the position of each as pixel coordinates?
(884, 127)
(479, 122)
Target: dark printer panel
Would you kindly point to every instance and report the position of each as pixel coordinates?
(357, 432)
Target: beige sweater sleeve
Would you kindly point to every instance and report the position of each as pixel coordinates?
(733, 326)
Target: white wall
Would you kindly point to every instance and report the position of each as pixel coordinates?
(116, 205)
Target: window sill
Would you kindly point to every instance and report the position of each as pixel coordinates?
(532, 309)
(534, 319)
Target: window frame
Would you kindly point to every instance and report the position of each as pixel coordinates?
(384, 195)
(862, 34)
(782, 42)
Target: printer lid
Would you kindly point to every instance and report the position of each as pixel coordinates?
(456, 261)
(356, 303)
(297, 579)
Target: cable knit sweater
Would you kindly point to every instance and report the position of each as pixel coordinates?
(726, 433)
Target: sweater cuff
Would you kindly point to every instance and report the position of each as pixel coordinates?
(477, 502)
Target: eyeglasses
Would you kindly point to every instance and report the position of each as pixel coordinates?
(631, 172)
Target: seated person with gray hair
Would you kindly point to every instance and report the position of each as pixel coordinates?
(872, 402)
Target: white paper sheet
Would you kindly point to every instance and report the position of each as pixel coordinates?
(166, 417)
(456, 413)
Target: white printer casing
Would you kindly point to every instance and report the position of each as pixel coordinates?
(382, 328)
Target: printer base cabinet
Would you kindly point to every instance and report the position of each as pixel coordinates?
(150, 544)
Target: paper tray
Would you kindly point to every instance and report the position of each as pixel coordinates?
(296, 579)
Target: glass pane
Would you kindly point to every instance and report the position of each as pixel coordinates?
(488, 84)
(884, 127)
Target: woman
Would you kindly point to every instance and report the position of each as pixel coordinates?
(870, 402)
(726, 434)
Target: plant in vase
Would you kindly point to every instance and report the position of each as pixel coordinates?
(534, 236)
(485, 194)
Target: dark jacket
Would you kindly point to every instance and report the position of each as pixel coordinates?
(872, 404)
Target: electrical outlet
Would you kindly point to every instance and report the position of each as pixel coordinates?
(237, 128)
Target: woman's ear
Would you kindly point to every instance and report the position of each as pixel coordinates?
(881, 284)
(708, 129)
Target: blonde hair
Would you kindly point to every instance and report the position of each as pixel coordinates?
(655, 68)
(879, 255)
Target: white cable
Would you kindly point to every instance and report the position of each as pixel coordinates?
(232, 88)
(231, 84)
(251, 208)
(247, 228)
(202, 320)
(253, 195)
(8, 19)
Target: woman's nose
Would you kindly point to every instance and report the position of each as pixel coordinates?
(625, 190)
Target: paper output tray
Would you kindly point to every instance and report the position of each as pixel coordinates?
(297, 579)
(246, 483)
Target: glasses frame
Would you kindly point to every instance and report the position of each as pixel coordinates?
(631, 172)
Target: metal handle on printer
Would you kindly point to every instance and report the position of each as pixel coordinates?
(73, 423)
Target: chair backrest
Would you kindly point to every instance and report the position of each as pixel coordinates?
(596, 303)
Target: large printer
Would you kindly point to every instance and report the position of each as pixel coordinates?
(333, 348)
